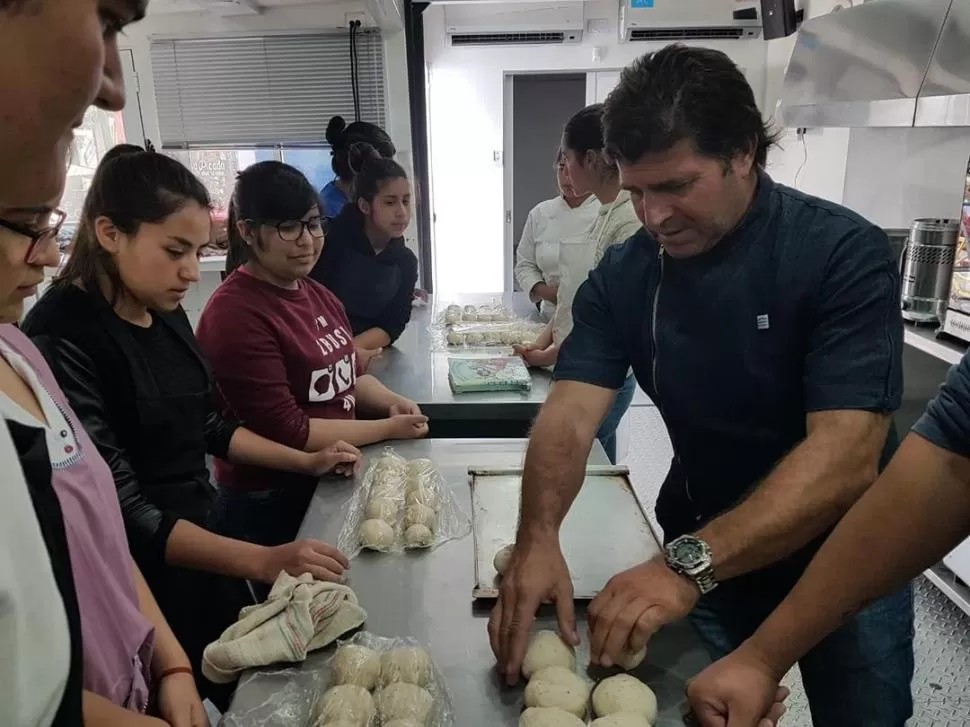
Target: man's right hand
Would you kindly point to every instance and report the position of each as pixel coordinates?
(324, 562)
(537, 573)
(408, 426)
(740, 690)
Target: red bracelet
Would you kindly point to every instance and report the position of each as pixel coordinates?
(175, 670)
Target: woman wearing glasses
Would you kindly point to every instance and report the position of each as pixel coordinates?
(365, 262)
(113, 331)
(282, 352)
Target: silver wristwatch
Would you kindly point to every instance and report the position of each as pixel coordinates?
(691, 557)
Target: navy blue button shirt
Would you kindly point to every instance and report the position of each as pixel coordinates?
(946, 422)
(795, 311)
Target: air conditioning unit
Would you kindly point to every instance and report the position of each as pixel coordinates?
(689, 20)
(476, 24)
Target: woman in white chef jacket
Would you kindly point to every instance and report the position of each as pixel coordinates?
(561, 219)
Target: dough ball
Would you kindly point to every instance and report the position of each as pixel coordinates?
(474, 338)
(387, 479)
(376, 535)
(502, 558)
(407, 664)
(418, 536)
(470, 309)
(559, 687)
(470, 313)
(381, 508)
(422, 495)
(528, 337)
(346, 703)
(622, 719)
(404, 701)
(509, 337)
(353, 664)
(421, 468)
(547, 649)
(546, 717)
(452, 318)
(624, 693)
(493, 338)
(455, 338)
(633, 659)
(453, 308)
(501, 314)
(418, 514)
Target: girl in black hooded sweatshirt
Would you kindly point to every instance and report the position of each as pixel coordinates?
(365, 262)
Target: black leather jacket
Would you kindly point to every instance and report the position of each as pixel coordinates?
(154, 444)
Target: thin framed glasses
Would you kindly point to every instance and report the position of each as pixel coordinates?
(40, 237)
(292, 230)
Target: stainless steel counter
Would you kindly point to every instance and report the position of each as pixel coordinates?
(413, 368)
(427, 596)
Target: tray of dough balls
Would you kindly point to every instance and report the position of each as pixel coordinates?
(557, 696)
(455, 314)
(605, 532)
(401, 505)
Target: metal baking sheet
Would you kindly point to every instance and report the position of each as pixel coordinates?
(605, 532)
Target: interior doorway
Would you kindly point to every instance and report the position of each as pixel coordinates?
(536, 107)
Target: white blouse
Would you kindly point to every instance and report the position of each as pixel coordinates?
(33, 625)
(550, 224)
(615, 223)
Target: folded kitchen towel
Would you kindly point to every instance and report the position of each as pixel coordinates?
(300, 615)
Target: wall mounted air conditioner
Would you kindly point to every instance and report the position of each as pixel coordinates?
(689, 20)
(475, 24)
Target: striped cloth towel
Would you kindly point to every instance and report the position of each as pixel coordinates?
(299, 616)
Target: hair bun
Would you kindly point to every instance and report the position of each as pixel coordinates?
(335, 131)
(359, 154)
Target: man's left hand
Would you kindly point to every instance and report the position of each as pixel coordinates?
(405, 406)
(633, 606)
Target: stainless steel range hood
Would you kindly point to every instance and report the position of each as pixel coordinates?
(896, 63)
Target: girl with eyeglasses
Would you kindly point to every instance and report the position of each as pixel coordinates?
(282, 351)
(365, 262)
(113, 330)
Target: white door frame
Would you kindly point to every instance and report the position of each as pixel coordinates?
(508, 247)
(131, 115)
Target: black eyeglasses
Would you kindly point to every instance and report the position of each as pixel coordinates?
(41, 237)
(292, 230)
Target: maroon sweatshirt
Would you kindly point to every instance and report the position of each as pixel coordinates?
(280, 357)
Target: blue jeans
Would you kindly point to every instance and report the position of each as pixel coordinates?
(858, 676)
(607, 432)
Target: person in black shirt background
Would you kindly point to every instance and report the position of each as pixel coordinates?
(365, 262)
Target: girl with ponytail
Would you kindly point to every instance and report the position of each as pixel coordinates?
(341, 138)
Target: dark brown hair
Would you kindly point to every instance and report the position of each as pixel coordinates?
(371, 171)
(130, 188)
(266, 193)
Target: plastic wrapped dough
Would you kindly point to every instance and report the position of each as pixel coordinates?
(404, 701)
(408, 664)
(345, 702)
(418, 514)
(421, 468)
(382, 508)
(474, 338)
(376, 535)
(422, 495)
(455, 338)
(470, 313)
(353, 664)
(418, 536)
(493, 338)
(502, 559)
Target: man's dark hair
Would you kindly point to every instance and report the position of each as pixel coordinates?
(680, 93)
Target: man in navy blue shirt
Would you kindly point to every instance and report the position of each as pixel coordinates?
(765, 326)
(916, 512)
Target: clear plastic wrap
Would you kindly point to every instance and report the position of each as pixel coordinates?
(401, 505)
(487, 335)
(295, 697)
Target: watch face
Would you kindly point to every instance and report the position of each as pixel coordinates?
(688, 552)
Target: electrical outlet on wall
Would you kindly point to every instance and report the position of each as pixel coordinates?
(359, 17)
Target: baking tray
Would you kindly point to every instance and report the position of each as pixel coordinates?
(605, 532)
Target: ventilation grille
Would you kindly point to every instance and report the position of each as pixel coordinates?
(533, 38)
(722, 33)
